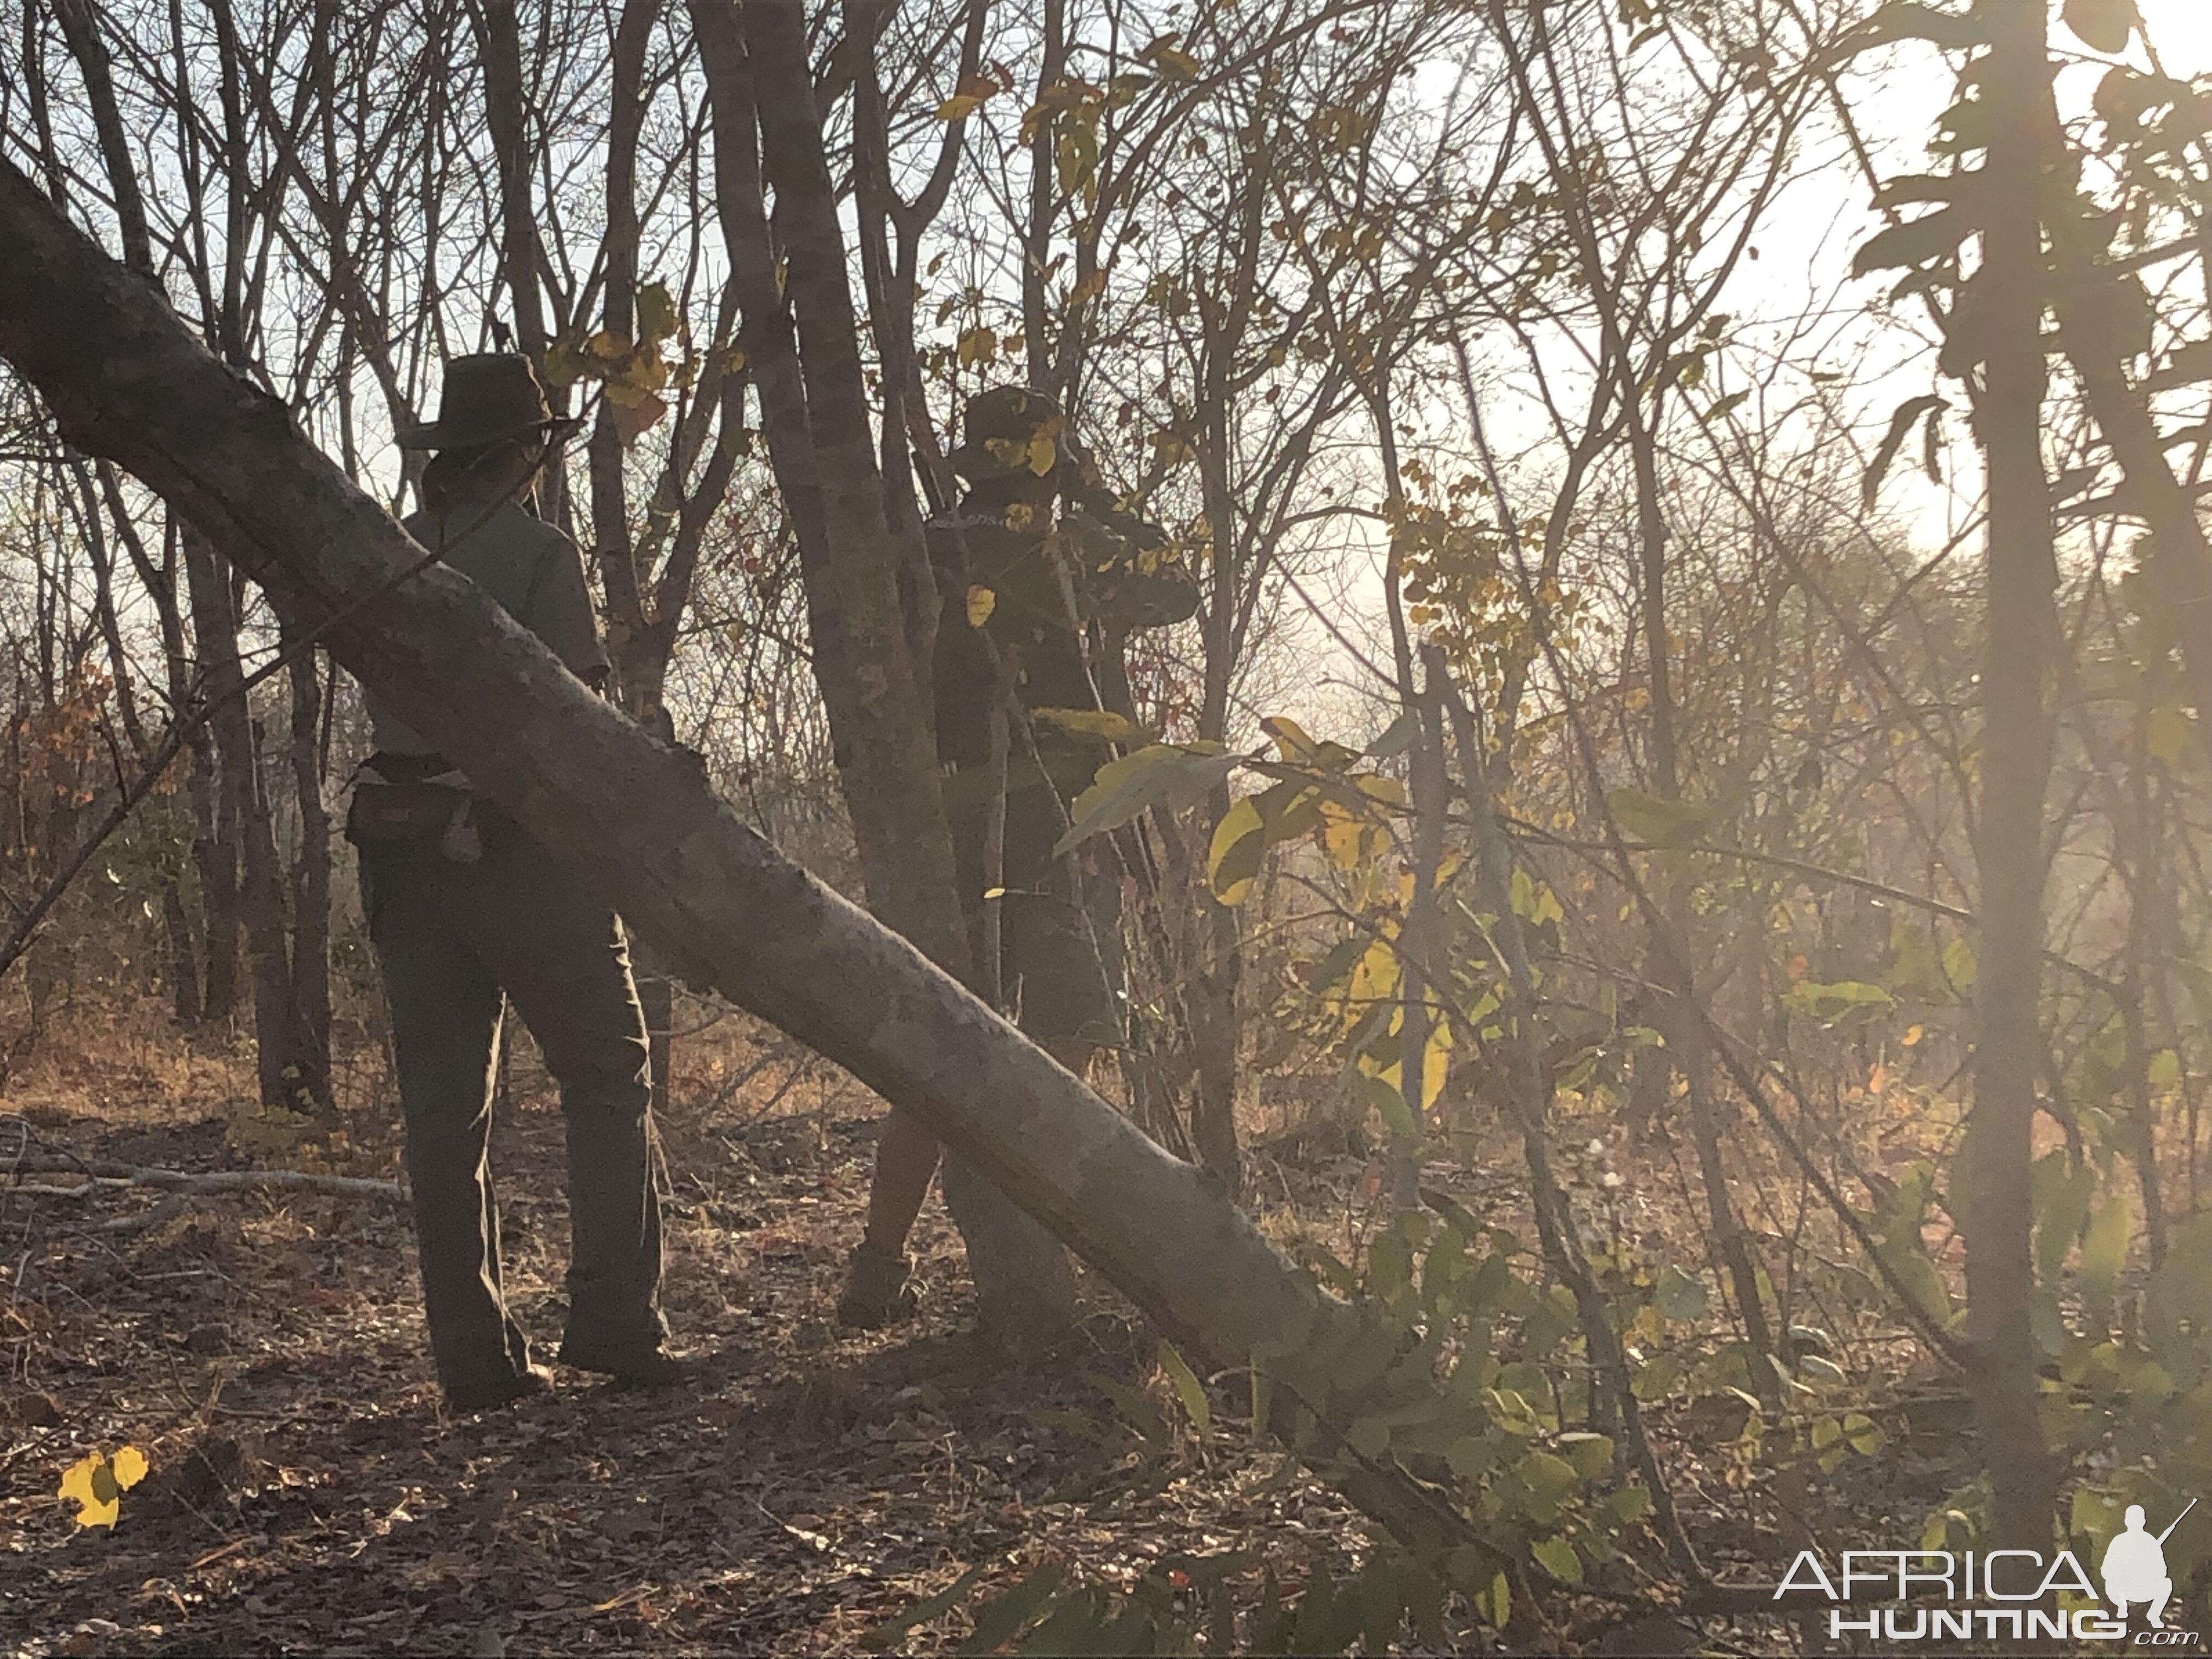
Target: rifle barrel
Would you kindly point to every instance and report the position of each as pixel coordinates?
(2177, 1521)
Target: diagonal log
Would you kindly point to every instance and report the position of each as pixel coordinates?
(127, 380)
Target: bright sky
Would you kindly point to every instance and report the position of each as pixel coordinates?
(2182, 31)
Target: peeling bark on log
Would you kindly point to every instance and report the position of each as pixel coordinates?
(128, 381)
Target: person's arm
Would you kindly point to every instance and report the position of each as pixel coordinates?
(560, 614)
(1131, 577)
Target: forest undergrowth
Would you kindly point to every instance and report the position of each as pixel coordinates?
(265, 1351)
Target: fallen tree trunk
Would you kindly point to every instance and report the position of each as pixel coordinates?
(128, 381)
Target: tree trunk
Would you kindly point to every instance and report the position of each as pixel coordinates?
(802, 342)
(310, 886)
(1996, 1212)
(184, 956)
(1417, 941)
(216, 861)
(499, 42)
(282, 1067)
(1681, 1019)
(127, 380)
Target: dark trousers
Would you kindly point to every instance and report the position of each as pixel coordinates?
(1060, 961)
(450, 937)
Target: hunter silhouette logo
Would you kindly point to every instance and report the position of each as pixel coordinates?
(2134, 1568)
(2009, 1595)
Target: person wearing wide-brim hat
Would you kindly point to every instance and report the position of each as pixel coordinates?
(466, 912)
(1069, 574)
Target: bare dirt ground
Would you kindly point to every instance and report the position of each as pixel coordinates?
(307, 1493)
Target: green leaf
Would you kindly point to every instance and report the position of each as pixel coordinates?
(2060, 1191)
(1920, 1279)
(1370, 1436)
(888, 1633)
(1549, 1477)
(1494, 1604)
(1590, 1454)
(1679, 1296)
(1381, 1592)
(1188, 1388)
(1659, 1374)
(1834, 1001)
(1863, 1434)
(1471, 1457)
(2092, 1514)
(998, 1623)
(2102, 25)
(1819, 1370)
(1931, 236)
(1395, 740)
(1557, 1557)
(1512, 1413)
(1092, 723)
(656, 312)
(1167, 775)
(1658, 822)
(1900, 427)
(2104, 1249)
(1240, 843)
(1388, 1104)
(1078, 1626)
(1629, 1506)
(1959, 965)
(2046, 1322)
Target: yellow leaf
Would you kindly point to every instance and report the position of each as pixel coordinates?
(981, 602)
(1912, 1037)
(733, 361)
(1043, 454)
(960, 104)
(978, 345)
(1173, 63)
(130, 1467)
(1239, 822)
(1435, 1058)
(1019, 515)
(605, 347)
(1289, 737)
(1092, 723)
(1348, 838)
(82, 1484)
(1374, 980)
(564, 365)
(634, 411)
(656, 311)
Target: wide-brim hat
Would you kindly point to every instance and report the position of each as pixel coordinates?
(487, 399)
(997, 427)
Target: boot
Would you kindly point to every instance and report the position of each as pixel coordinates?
(879, 1289)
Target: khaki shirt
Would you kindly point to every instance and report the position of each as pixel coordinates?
(535, 573)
